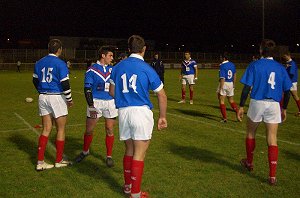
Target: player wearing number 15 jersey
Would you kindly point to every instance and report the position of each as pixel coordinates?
(131, 81)
(227, 78)
(51, 79)
(100, 103)
(268, 80)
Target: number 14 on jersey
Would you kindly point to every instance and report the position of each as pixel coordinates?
(131, 82)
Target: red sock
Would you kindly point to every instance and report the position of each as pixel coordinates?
(127, 161)
(60, 144)
(298, 104)
(43, 140)
(183, 95)
(223, 111)
(109, 142)
(136, 176)
(191, 94)
(234, 107)
(273, 157)
(250, 146)
(87, 142)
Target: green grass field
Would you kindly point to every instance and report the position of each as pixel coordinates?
(197, 156)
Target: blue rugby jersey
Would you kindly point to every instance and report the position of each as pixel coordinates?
(268, 79)
(133, 78)
(292, 70)
(97, 77)
(50, 71)
(188, 67)
(227, 71)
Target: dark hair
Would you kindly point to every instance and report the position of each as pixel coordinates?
(187, 52)
(104, 50)
(225, 55)
(267, 48)
(287, 53)
(136, 44)
(155, 53)
(54, 45)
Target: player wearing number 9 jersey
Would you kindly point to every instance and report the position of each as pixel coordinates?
(131, 80)
(268, 80)
(51, 79)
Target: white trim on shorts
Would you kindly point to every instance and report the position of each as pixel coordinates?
(106, 108)
(135, 122)
(52, 104)
(266, 110)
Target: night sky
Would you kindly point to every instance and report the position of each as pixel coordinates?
(198, 24)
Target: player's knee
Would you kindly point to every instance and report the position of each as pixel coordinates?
(109, 131)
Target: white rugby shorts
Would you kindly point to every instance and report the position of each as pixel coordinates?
(190, 79)
(52, 104)
(267, 111)
(136, 123)
(294, 87)
(106, 108)
(228, 89)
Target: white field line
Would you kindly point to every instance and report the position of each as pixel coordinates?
(227, 128)
(26, 129)
(35, 131)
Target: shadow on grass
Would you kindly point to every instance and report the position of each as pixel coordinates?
(28, 146)
(292, 155)
(198, 114)
(207, 156)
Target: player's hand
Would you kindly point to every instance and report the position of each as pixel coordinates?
(180, 77)
(240, 114)
(93, 112)
(283, 115)
(70, 104)
(162, 123)
(195, 78)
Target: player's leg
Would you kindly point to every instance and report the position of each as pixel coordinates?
(43, 140)
(137, 168)
(222, 107)
(297, 100)
(183, 90)
(191, 87)
(60, 141)
(233, 106)
(109, 140)
(127, 163)
(271, 130)
(250, 144)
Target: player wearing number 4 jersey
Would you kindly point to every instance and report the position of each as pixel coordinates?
(268, 80)
(227, 78)
(131, 81)
(100, 103)
(51, 79)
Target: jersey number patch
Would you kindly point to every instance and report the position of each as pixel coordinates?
(271, 80)
(229, 74)
(47, 75)
(131, 82)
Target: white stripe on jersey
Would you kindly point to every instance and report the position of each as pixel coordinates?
(104, 79)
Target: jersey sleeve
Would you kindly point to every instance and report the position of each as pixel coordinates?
(248, 76)
(222, 73)
(63, 72)
(112, 77)
(195, 64)
(155, 83)
(88, 79)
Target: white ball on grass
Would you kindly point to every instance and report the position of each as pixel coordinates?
(28, 99)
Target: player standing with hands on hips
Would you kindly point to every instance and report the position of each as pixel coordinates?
(51, 79)
(131, 81)
(100, 103)
(188, 74)
(268, 80)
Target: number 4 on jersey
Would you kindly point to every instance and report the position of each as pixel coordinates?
(271, 80)
(131, 82)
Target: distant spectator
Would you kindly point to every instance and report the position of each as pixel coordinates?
(89, 63)
(158, 66)
(122, 56)
(18, 66)
(69, 66)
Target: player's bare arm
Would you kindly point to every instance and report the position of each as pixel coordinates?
(162, 102)
(196, 72)
(286, 98)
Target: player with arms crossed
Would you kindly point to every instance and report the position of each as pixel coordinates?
(51, 79)
(131, 81)
(227, 78)
(188, 74)
(292, 70)
(268, 80)
(100, 103)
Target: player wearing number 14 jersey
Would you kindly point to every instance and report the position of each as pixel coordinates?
(131, 80)
(227, 77)
(268, 80)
